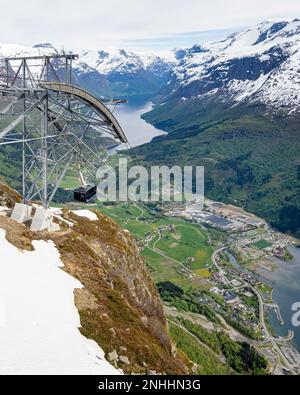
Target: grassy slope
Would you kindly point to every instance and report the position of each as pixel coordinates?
(206, 362)
(255, 155)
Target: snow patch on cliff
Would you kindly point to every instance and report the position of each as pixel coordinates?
(87, 214)
(39, 322)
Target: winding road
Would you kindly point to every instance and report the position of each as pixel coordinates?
(268, 336)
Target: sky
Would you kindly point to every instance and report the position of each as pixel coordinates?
(135, 24)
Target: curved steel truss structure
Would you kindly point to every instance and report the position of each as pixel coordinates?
(57, 124)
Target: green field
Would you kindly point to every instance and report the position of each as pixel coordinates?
(170, 254)
(261, 244)
(187, 242)
(70, 181)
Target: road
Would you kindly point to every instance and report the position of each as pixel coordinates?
(161, 253)
(215, 262)
(268, 336)
(281, 359)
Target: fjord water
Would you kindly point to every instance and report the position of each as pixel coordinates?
(286, 283)
(136, 129)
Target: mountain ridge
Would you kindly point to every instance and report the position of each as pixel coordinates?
(259, 65)
(118, 72)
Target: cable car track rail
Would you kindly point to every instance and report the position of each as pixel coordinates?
(91, 100)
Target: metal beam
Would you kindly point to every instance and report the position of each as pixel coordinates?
(68, 56)
(92, 101)
(55, 135)
(13, 124)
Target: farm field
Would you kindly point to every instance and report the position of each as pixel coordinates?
(261, 244)
(174, 250)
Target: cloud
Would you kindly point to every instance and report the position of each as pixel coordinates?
(98, 23)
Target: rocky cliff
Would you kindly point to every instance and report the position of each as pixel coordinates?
(119, 305)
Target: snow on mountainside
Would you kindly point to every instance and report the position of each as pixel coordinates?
(119, 61)
(257, 65)
(126, 72)
(37, 296)
(10, 50)
(117, 72)
(82, 296)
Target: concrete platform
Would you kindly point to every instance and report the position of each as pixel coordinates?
(21, 213)
(43, 220)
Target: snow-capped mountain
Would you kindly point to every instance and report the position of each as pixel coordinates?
(120, 61)
(126, 72)
(10, 50)
(258, 65)
(117, 72)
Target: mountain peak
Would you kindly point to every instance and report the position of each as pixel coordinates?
(43, 45)
(259, 64)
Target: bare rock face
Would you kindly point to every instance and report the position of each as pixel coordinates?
(112, 356)
(8, 196)
(124, 359)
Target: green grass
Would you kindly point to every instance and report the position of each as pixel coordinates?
(207, 362)
(189, 240)
(162, 269)
(204, 273)
(138, 229)
(262, 244)
(70, 182)
(264, 288)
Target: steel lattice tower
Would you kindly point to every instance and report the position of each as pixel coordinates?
(57, 123)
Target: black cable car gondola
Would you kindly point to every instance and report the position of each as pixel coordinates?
(85, 193)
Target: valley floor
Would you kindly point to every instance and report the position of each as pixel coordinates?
(205, 261)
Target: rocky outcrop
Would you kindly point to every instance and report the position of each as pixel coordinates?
(8, 196)
(119, 305)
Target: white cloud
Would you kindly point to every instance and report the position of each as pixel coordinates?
(99, 23)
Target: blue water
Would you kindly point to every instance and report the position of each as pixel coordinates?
(286, 283)
(136, 129)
